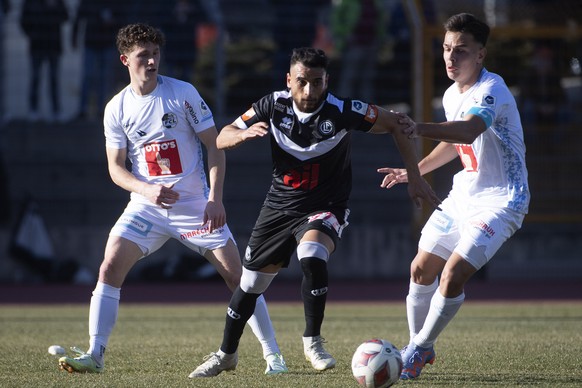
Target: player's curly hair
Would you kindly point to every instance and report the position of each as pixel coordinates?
(136, 34)
(310, 57)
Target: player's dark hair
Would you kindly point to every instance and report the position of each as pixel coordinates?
(310, 57)
(465, 22)
(138, 34)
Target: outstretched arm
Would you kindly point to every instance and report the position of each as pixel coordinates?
(418, 188)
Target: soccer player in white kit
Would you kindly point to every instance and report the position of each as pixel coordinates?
(489, 198)
(160, 124)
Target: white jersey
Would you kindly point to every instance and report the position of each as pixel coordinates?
(494, 174)
(159, 131)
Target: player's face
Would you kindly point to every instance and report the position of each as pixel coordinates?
(463, 58)
(308, 86)
(142, 62)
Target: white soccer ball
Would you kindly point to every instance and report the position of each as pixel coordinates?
(376, 364)
(56, 350)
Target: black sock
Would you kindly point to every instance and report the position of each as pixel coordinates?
(240, 309)
(314, 294)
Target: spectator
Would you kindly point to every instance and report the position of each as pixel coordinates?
(97, 21)
(41, 22)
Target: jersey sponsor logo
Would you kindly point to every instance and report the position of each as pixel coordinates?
(163, 158)
(191, 112)
(359, 107)
(136, 223)
(326, 127)
(203, 231)
(487, 230)
(441, 221)
(279, 107)
(306, 179)
(328, 219)
(248, 114)
(468, 157)
(372, 114)
(169, 120)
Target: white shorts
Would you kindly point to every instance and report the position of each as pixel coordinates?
(475, 233)
(150, 226)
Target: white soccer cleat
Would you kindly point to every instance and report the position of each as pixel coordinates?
(214, 364)
(275, 364)
(315, 353)
(82, 364)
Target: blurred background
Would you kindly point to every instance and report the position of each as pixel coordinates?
(57, 202)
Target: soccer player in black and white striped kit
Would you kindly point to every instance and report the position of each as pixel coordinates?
(306, 208)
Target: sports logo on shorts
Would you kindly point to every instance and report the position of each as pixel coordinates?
(326, 127)
(169, 120)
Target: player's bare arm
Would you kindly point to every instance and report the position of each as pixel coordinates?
(460, 132)
(232, 136)
(160, 195)
(214, 214)
(418, 188)
(442, 154)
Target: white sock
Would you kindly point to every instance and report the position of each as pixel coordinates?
(418, 304)
(261, 325)
(442, 311)
(102, 317)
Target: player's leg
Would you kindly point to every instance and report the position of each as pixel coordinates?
(130, 239)
(227, 262)
(120, 256)
(313, 253)
(240, 309)
(424, 271)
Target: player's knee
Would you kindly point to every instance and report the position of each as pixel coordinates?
(312, 249)
(254, 282)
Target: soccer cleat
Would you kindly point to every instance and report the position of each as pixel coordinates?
(214, 364)
(414, 358)
(275, 364)
(82, 364)
(315, 353)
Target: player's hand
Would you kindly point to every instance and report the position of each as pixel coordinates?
(393, 176)
(419, 189)
(259, 129)
(214, 215)
(161, 195)
(410, 129)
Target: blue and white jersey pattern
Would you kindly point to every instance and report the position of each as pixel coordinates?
(495, 173)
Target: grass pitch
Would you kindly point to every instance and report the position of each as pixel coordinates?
(488, 344)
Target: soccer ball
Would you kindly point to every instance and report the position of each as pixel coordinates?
(377, 364)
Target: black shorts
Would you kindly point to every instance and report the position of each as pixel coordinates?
(276, 235)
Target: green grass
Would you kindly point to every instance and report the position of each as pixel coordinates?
(488, 344)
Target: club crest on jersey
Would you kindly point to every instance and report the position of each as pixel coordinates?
(359, 107)
(169, 120)
(326, 127)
